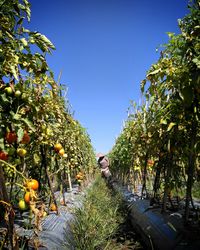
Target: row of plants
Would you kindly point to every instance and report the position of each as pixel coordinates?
(40, 141)
(97, 220)
(159, 144)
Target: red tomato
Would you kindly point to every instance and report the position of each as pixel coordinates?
(11, 137)
(26, 138)
(3, 156)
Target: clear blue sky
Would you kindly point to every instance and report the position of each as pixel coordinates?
(104, 48)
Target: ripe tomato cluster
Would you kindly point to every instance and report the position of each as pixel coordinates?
(11, 138)
(32, 184)
(59, 149)
(30, 195)
(79, 177)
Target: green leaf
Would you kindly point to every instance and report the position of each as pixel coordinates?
(187, 95)
(25, 30)
(27, 8)
(170, 34)
(42, 41)
(4, 98)
(47, 42)
(197, 62)
(142, 85)
(154, 72)
(20, 21)
(171, 125)
(15, 116)
(20, 134)
(14, 72)
(36, 158)
(2, 143)
(23, 40)
(29, 124)
(163, 121)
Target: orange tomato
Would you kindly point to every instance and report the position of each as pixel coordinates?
(53, 207)
(150, 162)
(61, 152)
(32, 184)
(78, 176)
(27, 197)
(57, 147)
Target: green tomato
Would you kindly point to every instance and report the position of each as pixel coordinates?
(11, 151)
(22, 205)
(17, 161)
(8, 90)
(49, 131)
(18, 93)
(24, 96)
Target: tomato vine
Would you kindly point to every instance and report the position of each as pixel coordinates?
(165, 130)
(34, 117)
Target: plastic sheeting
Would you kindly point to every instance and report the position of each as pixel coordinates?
(157, 230)
(55, 228)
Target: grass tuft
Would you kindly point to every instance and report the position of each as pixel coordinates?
(98, 219)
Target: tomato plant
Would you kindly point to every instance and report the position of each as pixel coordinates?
(165, 128)
(34, 118)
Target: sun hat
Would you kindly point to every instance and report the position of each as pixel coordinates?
(100, 155)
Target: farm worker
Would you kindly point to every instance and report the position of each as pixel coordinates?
(103, 163)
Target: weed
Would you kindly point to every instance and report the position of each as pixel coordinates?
(98, 219)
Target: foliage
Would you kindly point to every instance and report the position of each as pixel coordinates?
(164, 130)
(33, 118)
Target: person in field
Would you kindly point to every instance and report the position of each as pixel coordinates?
(104, 164)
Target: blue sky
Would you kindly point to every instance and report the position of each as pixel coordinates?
(103, 49)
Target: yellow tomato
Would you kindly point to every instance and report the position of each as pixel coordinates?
(57, 147)
(61, 152)
(21, 152)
